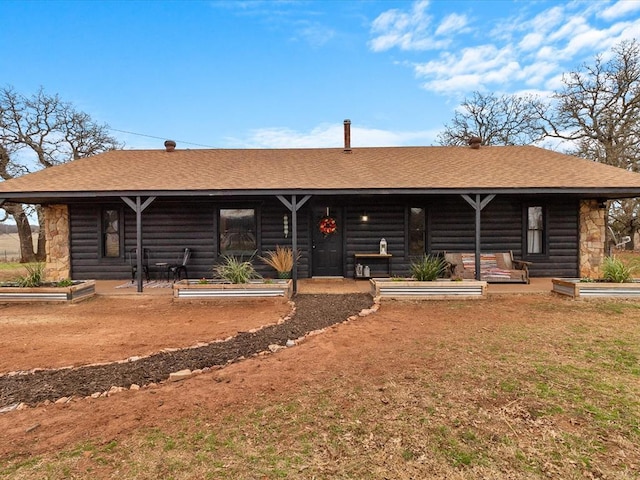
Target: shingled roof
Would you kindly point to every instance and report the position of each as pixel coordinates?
(427, 170)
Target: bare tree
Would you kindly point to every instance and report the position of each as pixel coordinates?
(598, 110)
(39, 132)
(504, 120)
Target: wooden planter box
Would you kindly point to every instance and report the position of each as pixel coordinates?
(436, 290)
(192, 289)
(71, 294)
(573, 287)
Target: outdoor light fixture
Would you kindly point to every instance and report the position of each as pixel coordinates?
(364, 217)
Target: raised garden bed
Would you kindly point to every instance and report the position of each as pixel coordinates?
(576, 288)
(80, 290)
(408, 289)
(194, 289)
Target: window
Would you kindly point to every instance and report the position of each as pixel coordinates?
(111, 233)
(417, 228)
(238, 231)
(535, 229)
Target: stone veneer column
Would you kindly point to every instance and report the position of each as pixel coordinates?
(58, 259)
(592, 238)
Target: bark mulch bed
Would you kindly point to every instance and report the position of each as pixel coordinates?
(313, 312)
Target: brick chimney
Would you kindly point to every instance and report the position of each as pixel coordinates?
(347, 136)
(169, 145)
(475, 142)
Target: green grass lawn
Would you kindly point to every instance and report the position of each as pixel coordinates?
(12, 270)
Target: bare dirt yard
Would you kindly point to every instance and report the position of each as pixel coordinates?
(517, 386)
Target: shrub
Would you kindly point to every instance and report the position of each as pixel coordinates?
(429, 268)
(614, 270)
(235, 270)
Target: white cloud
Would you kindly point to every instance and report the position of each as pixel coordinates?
(455, 84)
(536, 73)
(620, 9)
(524, 51)
(330, 136)
(532, 41)
(407, 31)
(452, 24)
(548, 20)
(470, 69)
(572, 27)
(314, 34)
(555, 83)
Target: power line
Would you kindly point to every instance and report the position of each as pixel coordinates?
(160, 138)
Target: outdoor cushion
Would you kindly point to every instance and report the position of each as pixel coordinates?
(494, 267)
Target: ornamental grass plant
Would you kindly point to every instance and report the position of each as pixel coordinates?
(34, 276)
(617, 271)
(235, 270)
(282, 260)
(428, 268)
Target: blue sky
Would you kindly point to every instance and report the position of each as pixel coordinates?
(278, 74)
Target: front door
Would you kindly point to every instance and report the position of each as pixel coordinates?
(327, 242)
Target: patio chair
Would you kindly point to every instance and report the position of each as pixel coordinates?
(176, 271)
(619, 243)
(133, 262)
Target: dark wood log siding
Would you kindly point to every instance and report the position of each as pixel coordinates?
(272, 235)
(171, 226)
(168, 228)
(451, 227)
(386, 220)
(563, 232)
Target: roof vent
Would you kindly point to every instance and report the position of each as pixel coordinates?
(475, 142)
(347, 136)
(169, 145)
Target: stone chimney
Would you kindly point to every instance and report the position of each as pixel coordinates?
(475, 142)
(169, 145)
(347, 136)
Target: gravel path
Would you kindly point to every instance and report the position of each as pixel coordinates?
(313, 312)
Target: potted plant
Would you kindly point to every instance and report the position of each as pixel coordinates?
(282, 260)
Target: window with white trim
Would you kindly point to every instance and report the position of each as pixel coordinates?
(535, 229)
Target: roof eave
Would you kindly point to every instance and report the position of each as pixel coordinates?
(51, 196)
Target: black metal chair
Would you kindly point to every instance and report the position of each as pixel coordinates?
(133, 262)
(177, 270)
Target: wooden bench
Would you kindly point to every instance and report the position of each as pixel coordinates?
(498, 267)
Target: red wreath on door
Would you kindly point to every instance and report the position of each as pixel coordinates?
(327, 225)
